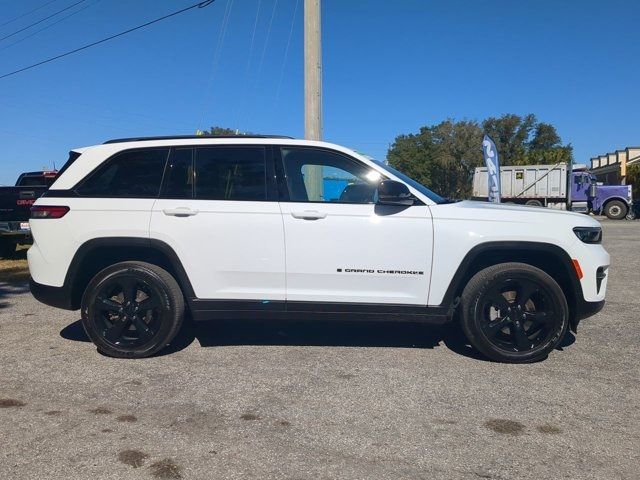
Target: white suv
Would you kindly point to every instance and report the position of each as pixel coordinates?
(136, 232)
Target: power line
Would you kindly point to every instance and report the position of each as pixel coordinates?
(264, 51)
(286, 52)
(253, 37)
(216, 59)
(48, 26)
(266, 42)
(203, 4)
(40, 21)
(239, 110)
(28, 13)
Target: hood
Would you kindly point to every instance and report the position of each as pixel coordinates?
(485, 211)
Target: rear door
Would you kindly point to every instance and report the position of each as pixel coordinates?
(219, 212)
(340, 246)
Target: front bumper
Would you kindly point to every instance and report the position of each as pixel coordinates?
(584, 310)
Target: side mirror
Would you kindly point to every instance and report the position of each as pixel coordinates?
(391, 192)
(593, 190)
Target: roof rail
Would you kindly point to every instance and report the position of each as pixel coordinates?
(187, 137)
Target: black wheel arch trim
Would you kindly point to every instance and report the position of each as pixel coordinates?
(580, 309)
(65, 296)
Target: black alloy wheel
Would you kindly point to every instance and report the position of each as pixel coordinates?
(518, 315)
(128, 311)
(132, 309)
(514, 312)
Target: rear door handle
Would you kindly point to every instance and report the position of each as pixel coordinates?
(180, 212)
(309, 215)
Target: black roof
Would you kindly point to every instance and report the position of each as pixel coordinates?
(186, 137)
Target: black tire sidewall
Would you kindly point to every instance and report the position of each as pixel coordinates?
(173, 309)
(471, 317)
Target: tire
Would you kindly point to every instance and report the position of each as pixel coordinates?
(112, 303)
(615, 210)
(7, 248)
(534, 203)
(514, 313)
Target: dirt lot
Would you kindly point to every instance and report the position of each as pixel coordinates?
(320, 400)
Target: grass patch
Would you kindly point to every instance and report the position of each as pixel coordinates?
(14, 270)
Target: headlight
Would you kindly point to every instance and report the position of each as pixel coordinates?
(589, 234)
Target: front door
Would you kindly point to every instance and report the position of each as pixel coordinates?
(219, 213)
(341, 246)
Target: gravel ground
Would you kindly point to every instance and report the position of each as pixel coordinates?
(322, 400)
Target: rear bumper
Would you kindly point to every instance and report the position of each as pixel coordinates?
(58, 297)
(14, 229)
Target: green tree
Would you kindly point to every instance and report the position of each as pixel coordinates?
(414, 155)
(545, 137)
(444, 156)
(511, 134)
(219, 131)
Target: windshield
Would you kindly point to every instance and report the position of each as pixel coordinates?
(410, 181)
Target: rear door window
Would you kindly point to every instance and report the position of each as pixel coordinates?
(132, 174)
(231, 173)
(179, 177)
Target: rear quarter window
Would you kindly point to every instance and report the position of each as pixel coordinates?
(132, 174)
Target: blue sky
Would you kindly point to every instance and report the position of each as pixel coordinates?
(389, 68)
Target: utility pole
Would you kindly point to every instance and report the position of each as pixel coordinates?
(313, 91)
(312, 71)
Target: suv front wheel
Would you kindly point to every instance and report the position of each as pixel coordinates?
(132, 309)
(514, 312)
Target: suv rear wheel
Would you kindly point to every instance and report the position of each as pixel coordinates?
(514, 312)
(132, 309)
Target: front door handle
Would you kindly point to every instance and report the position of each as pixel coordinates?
(309, 215)
(180, 212)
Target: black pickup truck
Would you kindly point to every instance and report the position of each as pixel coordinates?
(15, 205)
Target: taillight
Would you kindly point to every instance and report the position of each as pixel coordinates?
(46, 211)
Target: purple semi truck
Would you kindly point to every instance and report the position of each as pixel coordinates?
(561, 186)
